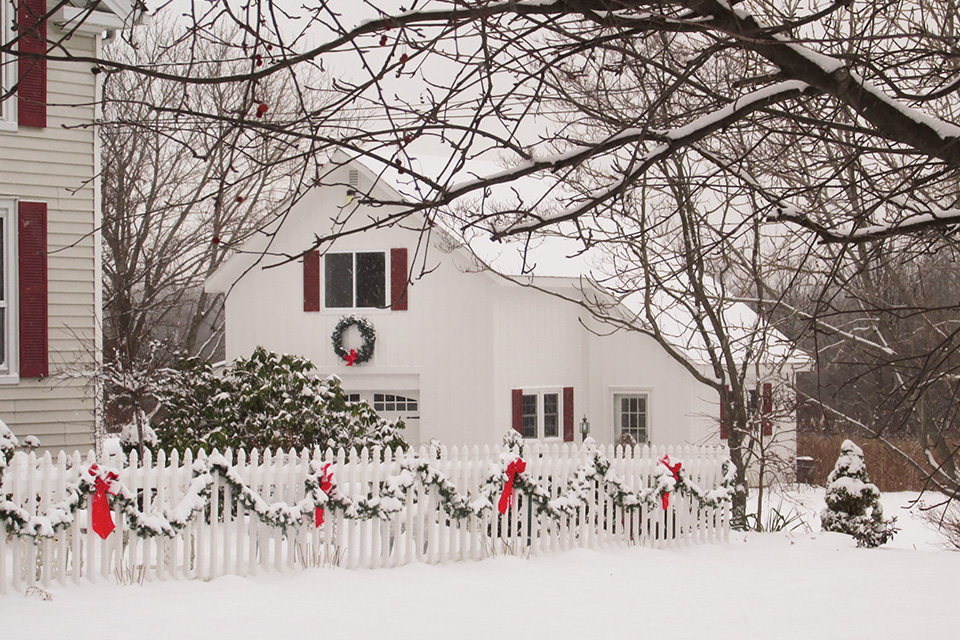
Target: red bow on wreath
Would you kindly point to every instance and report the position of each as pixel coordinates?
(100, 510)
(326, 483)
(515, 467)
(351, 357)
(665, 461)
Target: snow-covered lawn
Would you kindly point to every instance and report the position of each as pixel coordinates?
(797, 585)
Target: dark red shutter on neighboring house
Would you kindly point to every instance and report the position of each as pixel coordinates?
(398, 279)
(568, 414)
(724, 427)
(32, 250)
(311, 281)
(32, 85)
(517, 403)
(766, 408)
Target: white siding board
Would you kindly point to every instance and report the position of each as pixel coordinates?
(56, 165)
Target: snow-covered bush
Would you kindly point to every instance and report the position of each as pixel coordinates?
(266, 400)
(130, 433)
(513, 442)
(853, 503)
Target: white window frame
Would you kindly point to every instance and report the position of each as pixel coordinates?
(408, 395)
(8, 69)
(9, 362)
(617, 396)
(541, 413)
(379, 405)
(386, 280)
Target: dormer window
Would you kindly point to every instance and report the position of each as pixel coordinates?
(355, 280)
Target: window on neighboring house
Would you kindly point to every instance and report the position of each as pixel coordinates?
(541, 414)
(354, 280)
(631, 416)
(8, 294)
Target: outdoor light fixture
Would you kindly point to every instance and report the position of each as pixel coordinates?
(584, 427)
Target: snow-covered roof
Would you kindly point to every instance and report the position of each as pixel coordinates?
(108, 15)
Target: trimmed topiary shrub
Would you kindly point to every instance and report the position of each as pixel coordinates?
(853, 503)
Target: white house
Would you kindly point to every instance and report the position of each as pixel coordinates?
(462, 354)
(49, 216)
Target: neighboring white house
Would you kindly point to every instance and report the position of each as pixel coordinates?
(462, 354)
(49, 216)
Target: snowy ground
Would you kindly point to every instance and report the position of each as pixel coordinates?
(804, 584)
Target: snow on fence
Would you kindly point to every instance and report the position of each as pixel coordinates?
(249, 513)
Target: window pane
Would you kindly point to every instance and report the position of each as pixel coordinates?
(551, 415)
(632, 416)
(371, 287)
(3, 339)
(529, 416)
(338, 280)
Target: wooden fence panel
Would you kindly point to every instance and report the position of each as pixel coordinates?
(227, 537)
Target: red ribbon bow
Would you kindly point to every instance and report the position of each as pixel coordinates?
(100, 510)
(506, 498)
(325, 485)
(351, 357)
(675, 468)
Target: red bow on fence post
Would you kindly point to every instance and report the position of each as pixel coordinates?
(351, 357)
(100, 509)
(665, 461)
(326, 483)
(515, 467)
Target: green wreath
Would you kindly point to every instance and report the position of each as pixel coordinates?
(354, 356)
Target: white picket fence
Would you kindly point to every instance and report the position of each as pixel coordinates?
(227, 539)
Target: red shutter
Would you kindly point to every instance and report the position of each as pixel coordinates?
(568, 414)
(766, 409)
(32, 85)
(311, 281)
(724, 427)
(517, 402)
(398, 279)
(32, 250)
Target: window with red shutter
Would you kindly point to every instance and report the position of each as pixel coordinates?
(32, 80)
(543, 414)
(516, 404)
(311, 281)
(398, 279)
(568, 434)
(32, 263)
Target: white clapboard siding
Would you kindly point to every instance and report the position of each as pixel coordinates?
(57, 165)
(227, 539)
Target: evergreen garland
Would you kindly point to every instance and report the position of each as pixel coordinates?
(389, 498)
(367, 332)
